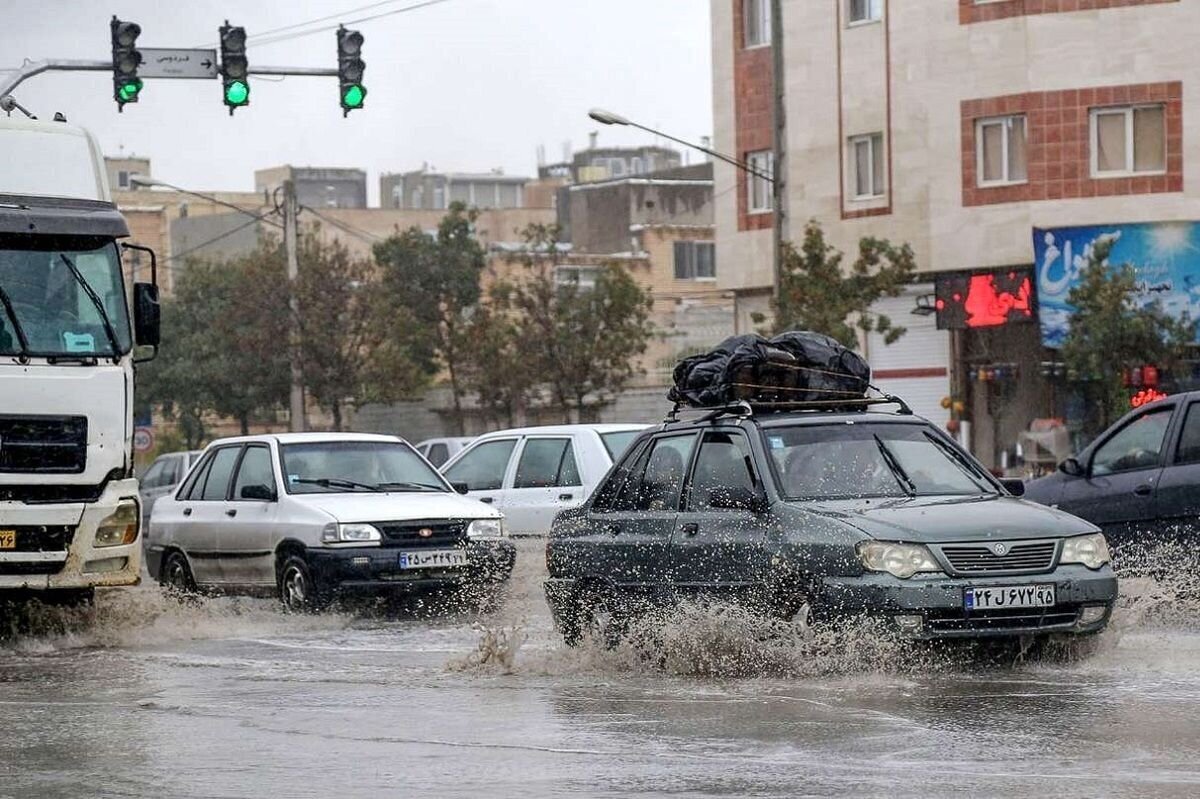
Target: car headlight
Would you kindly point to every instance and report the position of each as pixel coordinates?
(1090, 550)
(351, 533)
(898, 560)
(487, 528)
(120, 526)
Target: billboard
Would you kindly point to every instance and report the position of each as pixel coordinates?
(1165, 257)
(984, 299)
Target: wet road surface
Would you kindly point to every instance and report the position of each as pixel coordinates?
(143, 696)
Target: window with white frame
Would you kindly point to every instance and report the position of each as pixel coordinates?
(759, 193)
(1129, 140)
(756, 17)
(1000, 151)
(865, 11)
(866, 166)
(695, 260)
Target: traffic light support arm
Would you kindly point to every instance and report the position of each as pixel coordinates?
(316, 72)
(27, 70)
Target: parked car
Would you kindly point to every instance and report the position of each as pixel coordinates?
(165, 473)
(532, 473)
(1139, 480)
(439, 450)
(310, 514)
(825, 514)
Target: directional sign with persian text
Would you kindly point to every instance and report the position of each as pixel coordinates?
(164, 62)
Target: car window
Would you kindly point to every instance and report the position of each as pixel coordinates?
(153, 478)
(438, 454)
(172, 471)
(323, 467)
(1189, 441)
(1137, 445)
(606, 493)
(617, 443)
(656, 481)
(195, 485)
(216, 483)
(254, 470)
(724, 466)
(483, 468)
(547, 462)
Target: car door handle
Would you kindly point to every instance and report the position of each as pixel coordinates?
(689, 529)
(231, 512)
(1143, 490)
(565, 497)
(187, 511)
(488, 500)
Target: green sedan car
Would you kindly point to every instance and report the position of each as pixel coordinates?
(827, 514)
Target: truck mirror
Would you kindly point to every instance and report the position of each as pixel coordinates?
(147, 314)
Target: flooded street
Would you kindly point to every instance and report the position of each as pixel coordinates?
(148, 697)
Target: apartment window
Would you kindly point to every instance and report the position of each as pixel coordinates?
(758, 189)
(695, 260)
(635, 165)
(123, 179)
(756, 15)
(862, 11)
(1129, 141)
(1000, 151)
(439, 197)
(866, 164)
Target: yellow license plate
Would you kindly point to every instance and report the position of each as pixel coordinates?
(8, 539)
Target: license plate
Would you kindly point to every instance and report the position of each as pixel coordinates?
(433, 559)
(1010, 596)
(8, 539)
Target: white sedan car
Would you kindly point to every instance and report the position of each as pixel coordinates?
(532, 473)
(311, 514)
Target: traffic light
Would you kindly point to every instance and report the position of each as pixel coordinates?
(350, 70)
(126, 59)
(234, 66)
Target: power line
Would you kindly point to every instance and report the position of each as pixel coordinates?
(211, 199)
(310, 22)
(213, 240)
(296, 35)
(346, 227)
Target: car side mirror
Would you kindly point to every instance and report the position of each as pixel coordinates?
(147, 315)
(1072, 467)
(736, 498)
(1014, 486)
(258, 492)
(462, 488)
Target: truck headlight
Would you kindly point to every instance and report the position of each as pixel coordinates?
(487, 528)
(898, 560)
(119, 527)
(334, 533)
(1090, 550)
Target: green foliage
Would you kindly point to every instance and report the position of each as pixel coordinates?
(815, 293)
(1109, 332)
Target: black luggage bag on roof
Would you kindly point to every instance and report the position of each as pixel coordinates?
(794, 367)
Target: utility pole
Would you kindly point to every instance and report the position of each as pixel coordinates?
(296, 421)
(779, 185)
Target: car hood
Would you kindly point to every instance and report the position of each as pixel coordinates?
(941, 519)
(396, 506)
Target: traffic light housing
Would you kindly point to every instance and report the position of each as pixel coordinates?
(235, 82)
(126, 59)
(351, 91)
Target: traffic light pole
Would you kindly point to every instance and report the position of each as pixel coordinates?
(296, 420)
(26, 71)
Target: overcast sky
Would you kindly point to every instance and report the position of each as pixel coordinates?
(465, 85)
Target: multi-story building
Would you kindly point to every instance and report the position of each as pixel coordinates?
(999, 138)
(427, 190)
(122, 168)
(610, 163)
(317, 187)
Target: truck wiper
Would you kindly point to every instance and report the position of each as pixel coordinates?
(95, 298)
(337, 482)
(6, 301)
(896, 468)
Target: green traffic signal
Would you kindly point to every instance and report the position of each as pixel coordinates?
(353, 96)
(128, 91)
(237, 93)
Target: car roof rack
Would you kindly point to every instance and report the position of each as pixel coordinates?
(751, 407)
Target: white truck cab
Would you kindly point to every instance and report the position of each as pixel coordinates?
(69, 514)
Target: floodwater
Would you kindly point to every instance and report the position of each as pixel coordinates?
(144, 696)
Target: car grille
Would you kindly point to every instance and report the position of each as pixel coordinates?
(38, 538)
(951, 621)
(1026, 556)
(54, 444)
(442, 533)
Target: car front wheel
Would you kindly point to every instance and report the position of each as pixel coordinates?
(176, 575)
(298, 590)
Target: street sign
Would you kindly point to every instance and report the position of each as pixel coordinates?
(143, 439)
(165, 62)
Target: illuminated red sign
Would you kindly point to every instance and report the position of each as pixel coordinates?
(1146, 396)
(988, 299)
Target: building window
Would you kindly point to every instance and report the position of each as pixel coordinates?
(756, 16)
(759, 197)
(1000, 151)
(439, 197)
(695, 260)
(863, 11)
(1129, 141)
(866, 165)
(123, 179)
(635, 165)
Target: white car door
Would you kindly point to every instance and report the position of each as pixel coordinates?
(204, 514)
(246, 538)
(483, 468)
(546, 481)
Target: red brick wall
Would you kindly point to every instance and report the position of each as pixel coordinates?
(1058, 149)
(969, 11)
(753, 90)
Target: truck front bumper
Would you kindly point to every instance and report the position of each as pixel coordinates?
(82, 564)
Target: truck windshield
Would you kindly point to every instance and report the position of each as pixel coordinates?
(46, 310)
(870, 460)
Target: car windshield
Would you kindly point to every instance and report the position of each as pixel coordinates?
(334, 467)
(62, 296)
(870, 460)
(617, 443)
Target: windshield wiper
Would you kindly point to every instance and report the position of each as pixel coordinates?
(6, 301)
(896, 468)
(965, 465)
(337, 482)
(95, 298)
(412, 486)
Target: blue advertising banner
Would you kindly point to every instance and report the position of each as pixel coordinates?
(1164, 255)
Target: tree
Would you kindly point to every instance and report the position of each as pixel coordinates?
(816, 295)
(1109, 332)
(497, 371)
(436, 283)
